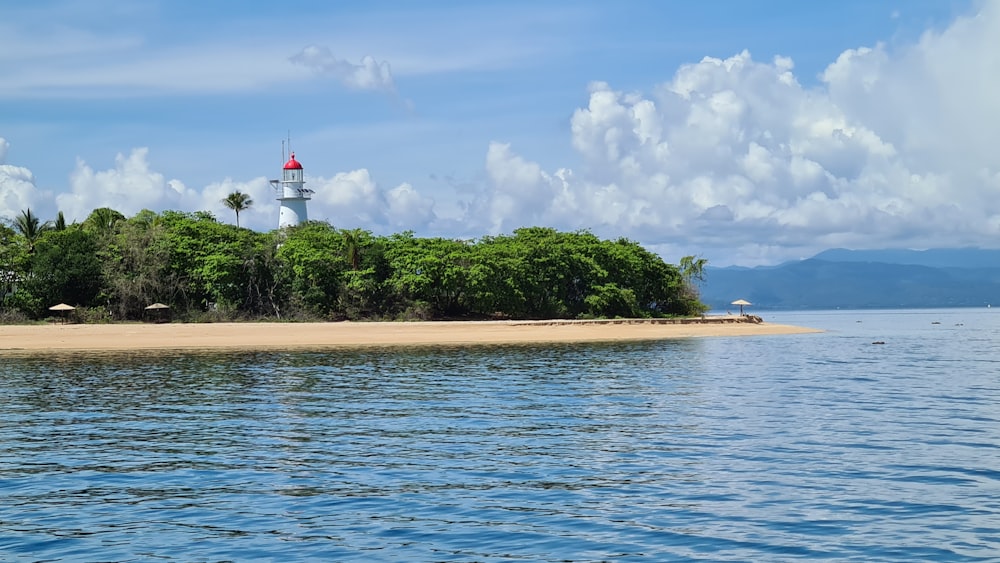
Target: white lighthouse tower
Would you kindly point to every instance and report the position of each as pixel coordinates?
(292, 194)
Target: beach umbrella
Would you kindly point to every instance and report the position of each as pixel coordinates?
(63, 310)
(159, 311)
(741, 303)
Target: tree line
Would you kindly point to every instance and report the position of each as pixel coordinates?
(112, 267)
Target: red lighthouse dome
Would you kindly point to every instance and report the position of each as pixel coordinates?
(292, 164)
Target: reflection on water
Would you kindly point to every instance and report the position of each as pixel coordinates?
(800, 446)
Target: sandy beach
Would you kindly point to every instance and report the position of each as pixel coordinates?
(270, 336)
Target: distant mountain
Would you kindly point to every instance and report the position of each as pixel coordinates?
(863, 279)
(934, 258)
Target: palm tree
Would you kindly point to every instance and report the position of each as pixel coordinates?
(353, 242)
(692, 268)
(238, 201)
(30, 227)
(103, 221)
(60, 224)
(692, 271)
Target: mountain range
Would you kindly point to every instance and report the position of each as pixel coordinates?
(862, 279)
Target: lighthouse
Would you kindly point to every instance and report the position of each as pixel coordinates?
(292, 194)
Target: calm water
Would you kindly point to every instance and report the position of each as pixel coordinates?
(776, 448)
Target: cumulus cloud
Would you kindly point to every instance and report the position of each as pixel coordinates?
(128, 187)
(263, 213)
(355, 199)
(368, 75)
(521, 191)
(735, 158)
(17, 187)
(349, 199)
(406, 209)
(131, 185)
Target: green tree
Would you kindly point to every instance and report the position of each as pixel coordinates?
(30, 227)
(692, 270)
(557, 271)
(65, 268)
(429, 271)
(265, 295)
(311, 265)
(354, 241)
(195, 263)
(103, 222)
(13, 261)
(135, 268)
(362, 285)
(209, 260)
(238, 201)
(611, 300)
(495, 275)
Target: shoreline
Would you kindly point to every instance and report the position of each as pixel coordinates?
(32, 339)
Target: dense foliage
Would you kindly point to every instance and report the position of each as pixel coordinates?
(113, 267)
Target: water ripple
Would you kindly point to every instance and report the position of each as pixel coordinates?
(806, 447)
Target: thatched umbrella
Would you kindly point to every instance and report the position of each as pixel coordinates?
(63, 310)
(741, 303)
(159, 310)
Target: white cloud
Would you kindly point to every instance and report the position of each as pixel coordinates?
(128, 187)
(128, 69)
(733, 155)
(348, 200)
(262, 214)
(522, 193)
(730, 158)
(354, 200)
(62, 50)
(407, 209)
(368, 75)
(930, 99)
(131, 186)
(17, 188)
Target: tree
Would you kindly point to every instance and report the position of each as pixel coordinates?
(136, 267)
(13, 260)
(208, 260)
(693, 268)
(65, 268)
(429, 271)
(103, 222)
(353, 241)
(29, 226)
(312, 264)
(201, 266)
(238, 201)
(692, 271)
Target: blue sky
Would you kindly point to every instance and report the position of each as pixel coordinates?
(745, 132)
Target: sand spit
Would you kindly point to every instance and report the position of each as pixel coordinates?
(291, 336)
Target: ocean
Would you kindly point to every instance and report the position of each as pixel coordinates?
(877, 440)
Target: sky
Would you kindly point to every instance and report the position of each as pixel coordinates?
(745, 133)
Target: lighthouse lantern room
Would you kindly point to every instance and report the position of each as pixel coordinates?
(292, 193)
